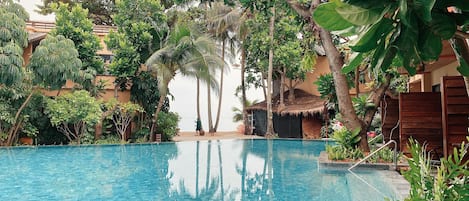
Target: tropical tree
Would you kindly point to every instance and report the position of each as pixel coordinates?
(222, 20)
(54, 62)
(73, 114)
(13, 38)
(74, 24)
(121, 115)
(392, 33)
(185, 51)
(141, 28)
(238, 114)
(267, 8)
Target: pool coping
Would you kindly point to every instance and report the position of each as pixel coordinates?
(400, 186)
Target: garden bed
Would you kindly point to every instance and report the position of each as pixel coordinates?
(325, 162)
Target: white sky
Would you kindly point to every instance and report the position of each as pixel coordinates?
(184, 90)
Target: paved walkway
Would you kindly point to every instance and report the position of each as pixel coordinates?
(191, 136)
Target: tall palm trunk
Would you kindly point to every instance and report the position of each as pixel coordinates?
(209, 108)
(270, 125)
(221, 86)
(247, 125)
(198, 98)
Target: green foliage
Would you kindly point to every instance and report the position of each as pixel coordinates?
(110, 139)
(73, 113)
(343, 153)
(167, 125)
(385, 155)
(13, 37)
(362, 104)
(54, 62)
(74, 25)
(144, 91)
(451, 181)
(100, 11)
(141, 28)
(409, 31)
(121, 115)
(293, 56)
(346, 138)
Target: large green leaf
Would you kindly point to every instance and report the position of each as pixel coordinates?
(404, 12)
(429, 45)
(354, 63)
(328, 18)
(360, 16)
(423, 9)
(379, 53)
(443, 25)
(369, 40)
(387, 59)
(368, 3)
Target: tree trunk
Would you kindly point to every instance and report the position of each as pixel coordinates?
(291, 92)
(270, 126)
(221, 87)
(13, 130)
(247, 124)
(198, 98)
(346, 109)
(155, 116)
(209, 108)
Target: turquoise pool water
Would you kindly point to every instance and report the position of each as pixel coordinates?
(206, 170)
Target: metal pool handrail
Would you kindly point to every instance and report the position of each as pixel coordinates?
(376, 151)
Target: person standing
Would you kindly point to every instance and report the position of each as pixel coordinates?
(198, 127)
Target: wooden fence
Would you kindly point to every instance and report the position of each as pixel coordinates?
(455, 106)
(420, 119)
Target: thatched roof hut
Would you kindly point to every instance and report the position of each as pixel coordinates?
(305, 104)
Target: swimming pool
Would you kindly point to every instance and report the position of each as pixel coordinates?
(204, 170)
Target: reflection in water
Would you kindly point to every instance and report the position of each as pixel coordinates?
(245, 169)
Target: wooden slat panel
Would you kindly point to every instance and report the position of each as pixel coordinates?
(455, 108)
(454, 83)
(455, 92)
(454, 100)
(420, 119)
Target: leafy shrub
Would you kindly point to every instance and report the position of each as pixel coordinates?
(167, 125)
(346, 138)
(451, 181)
(341, 153)
(110, 139)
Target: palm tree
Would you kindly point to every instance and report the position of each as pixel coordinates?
(238, 114)
(222, 20)
(185, 51)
